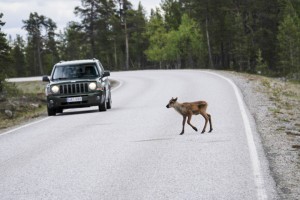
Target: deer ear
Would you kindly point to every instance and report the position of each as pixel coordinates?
(176, 98)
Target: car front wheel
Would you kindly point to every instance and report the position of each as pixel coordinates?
(51, 111)
(102, 107)
(108, 104)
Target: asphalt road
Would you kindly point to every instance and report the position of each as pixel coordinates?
(134, 150)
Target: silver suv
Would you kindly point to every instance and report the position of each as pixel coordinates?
(76, 84)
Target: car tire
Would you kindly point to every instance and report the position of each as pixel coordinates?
(51, 111)
(108, 104)
(59, 110)
(102, 107)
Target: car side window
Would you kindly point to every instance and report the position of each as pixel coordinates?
(101, 68)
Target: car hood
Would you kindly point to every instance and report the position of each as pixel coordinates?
(72, 81)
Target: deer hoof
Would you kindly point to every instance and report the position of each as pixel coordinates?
(210, 130)
(203, 132)
(195, 129)
(181, 133)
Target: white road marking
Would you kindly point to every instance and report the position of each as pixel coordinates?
(256, 166)
(26, 125)
(119, 85)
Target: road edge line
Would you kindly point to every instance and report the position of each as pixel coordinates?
(118, 86)
(256, 165)
(23, 126)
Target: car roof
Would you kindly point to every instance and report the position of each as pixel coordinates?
(73, 62)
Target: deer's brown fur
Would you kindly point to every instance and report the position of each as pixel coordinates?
(189, 109)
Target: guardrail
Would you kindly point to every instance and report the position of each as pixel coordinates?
(24, 79)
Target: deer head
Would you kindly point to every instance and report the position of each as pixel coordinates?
(171, 102)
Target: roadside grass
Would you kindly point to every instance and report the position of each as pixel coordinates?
(31, 87)
(23, 101)
(285, 100)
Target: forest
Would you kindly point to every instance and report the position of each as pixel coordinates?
(254, 36)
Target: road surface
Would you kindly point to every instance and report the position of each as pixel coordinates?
(134, 150)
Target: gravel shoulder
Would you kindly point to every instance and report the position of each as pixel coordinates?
(275, 106)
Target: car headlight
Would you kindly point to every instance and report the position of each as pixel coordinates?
(92, 86)
(55, 89)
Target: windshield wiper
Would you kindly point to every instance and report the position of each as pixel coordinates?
(60, 79)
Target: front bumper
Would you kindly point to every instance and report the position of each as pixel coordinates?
(90, 99)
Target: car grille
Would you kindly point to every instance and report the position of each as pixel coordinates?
(74, 88)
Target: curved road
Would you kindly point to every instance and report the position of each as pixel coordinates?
(134, 150)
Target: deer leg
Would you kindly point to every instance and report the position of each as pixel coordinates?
(183, 124)
(210, 124)
(189, 122)
(206, 120)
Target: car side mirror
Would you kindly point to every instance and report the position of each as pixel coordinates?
(46, 79)
(106, 73)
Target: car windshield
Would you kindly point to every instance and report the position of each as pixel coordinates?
(65, 72)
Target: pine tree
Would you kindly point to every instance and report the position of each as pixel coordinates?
(157, 34)
(40, 41)
(240, 50)
(4, 55)
(136, 25)
(261, 66)
(18, 56)
(172, 13)
(88, 13)
(192, 37)
(289, 43)
(51, 55)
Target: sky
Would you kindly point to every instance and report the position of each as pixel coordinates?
(60, 11)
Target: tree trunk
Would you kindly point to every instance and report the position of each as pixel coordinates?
(115, 52)
(127, 47)
(208, 44)
(92, 30)
(178, 62)
(190, 58)
(39, 52)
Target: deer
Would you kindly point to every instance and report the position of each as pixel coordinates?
(191, 108)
